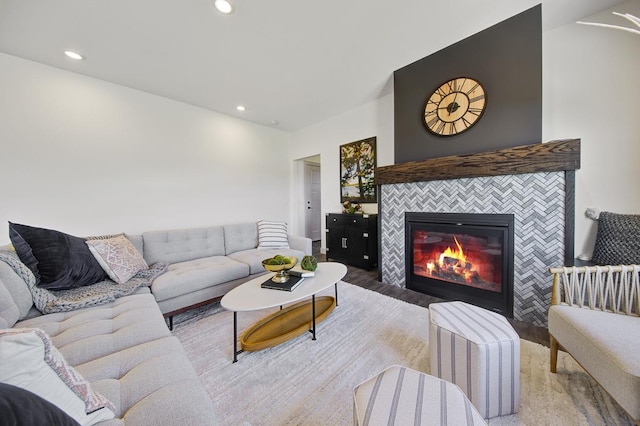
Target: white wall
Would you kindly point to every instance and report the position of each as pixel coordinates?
(88, 157)
(590, 91)
(371, 119)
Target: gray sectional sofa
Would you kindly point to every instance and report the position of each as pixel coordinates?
(124, 348)
(127, 353)
(205, 263)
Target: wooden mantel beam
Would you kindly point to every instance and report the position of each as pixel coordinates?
(543, 157)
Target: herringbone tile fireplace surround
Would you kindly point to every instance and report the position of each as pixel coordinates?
(538, 202)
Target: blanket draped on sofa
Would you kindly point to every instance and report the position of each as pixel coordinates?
(100, 293)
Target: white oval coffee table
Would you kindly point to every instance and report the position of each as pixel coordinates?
(251, 297)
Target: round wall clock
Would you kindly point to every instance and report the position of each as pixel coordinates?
(455, 106)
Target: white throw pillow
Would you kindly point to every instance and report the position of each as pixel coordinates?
(31, 362)
(118, 257)
(272, 235)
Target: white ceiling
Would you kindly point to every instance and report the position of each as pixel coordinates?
(294, 61)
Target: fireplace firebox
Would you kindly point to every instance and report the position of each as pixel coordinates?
(467, 257)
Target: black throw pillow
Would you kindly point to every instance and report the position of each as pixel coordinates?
(21, 407)
(24, 251)
(60, 260)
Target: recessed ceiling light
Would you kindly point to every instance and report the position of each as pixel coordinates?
(73, 55)
(240, 108)
(223, 6)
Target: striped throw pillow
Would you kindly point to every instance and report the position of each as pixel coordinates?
(272, 235)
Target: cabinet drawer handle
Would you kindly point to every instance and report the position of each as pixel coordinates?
(365, 235)
(344, 243)
(366, 257)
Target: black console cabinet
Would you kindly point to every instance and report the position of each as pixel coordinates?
(353, 239)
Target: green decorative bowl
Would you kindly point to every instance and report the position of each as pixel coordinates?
(281, 276)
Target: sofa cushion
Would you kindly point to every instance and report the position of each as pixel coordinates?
(130, 379)
(242, 236)
(18, 289)
(9, 312)
(87, 334)
(118, 257)
(30, 361)
(193, 275)
(254, 257)
(181, 245)
(137, 242)
(272, 235)
(606, 345)
(22, 407)
(61, 261)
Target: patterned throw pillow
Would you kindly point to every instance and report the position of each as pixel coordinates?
(272, 235)
(617, 239)
(118, 257)
(31, 362)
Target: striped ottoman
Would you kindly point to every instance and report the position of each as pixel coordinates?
(479, 351)
(402, 396)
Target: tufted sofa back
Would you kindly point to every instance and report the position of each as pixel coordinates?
(181, 245)
(15, 297)
(240, 236)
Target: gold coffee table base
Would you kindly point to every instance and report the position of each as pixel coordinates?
(286, 324)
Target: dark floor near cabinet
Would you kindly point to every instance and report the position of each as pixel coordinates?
(369, 280)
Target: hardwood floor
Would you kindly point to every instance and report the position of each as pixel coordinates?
(369, 280)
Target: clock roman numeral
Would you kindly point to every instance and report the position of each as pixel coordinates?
(466, 122)
(452, 128)
(475, 111)
(441, 92)
(475, 86)
(432, 122)
(440, 127)
(432, 112)
(477, 98)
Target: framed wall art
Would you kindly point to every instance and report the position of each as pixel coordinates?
(357, 167)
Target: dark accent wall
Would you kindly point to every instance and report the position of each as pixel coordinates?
(507, 60)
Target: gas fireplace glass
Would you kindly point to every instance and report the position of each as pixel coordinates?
(461, 256)
(458, 258)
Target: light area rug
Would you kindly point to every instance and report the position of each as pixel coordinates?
(306, 382)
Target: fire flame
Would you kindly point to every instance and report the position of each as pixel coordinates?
(453, 253)
(473, 265)
(460, 266)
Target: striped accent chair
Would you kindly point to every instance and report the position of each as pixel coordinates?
(479, 351)
(402, 396)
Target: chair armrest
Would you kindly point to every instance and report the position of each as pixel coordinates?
(300, 243)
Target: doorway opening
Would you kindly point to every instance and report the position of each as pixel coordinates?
(312, 206)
